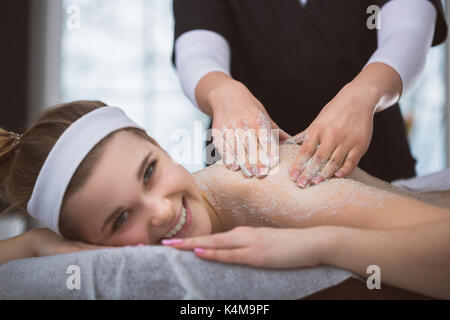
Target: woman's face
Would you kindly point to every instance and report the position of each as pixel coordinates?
(136, 194)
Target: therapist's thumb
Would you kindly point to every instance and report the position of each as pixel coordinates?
(282, 135)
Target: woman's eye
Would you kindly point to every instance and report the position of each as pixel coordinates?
(120, 220)
(149, 171)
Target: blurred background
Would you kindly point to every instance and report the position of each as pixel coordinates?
(119, 51)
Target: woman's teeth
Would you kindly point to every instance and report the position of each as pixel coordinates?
(179, 225)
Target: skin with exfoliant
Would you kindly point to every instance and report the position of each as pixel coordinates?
(138, 194)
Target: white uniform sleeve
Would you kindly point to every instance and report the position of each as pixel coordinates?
(197, 53)
(405, 36)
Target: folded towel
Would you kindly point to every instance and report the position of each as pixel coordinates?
(438, 181)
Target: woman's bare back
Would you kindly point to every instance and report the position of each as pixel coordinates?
(278, 202)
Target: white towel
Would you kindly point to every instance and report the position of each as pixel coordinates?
(438, 181)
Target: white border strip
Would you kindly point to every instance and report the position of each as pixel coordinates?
(447, 79)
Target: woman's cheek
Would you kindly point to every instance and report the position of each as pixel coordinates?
(133, 235)
(201, 225)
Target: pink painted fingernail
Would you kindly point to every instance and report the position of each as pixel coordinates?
(339, 174)
(248, 172)
(317, 180)
(302, 183)
(168, 242)
(295, 174)
(140, 245)
(234, 167)
(199, 250)
(264, 171)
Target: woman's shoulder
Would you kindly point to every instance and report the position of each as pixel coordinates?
(218, 176)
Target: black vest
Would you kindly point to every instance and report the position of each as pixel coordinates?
(295, 59)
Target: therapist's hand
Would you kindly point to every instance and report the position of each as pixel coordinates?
(262, 247)
(337, 139)
(343, 129)
(243, 132)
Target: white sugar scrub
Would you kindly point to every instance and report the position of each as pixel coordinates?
(277, 201)
(263, 121)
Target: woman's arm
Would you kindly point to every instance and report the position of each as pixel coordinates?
(416, 258)
(39, 243)
(437, 198)
(18, 247)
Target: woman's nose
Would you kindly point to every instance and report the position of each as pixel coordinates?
(161, 213)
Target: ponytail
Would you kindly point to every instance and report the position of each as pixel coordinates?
(9, 142)
(22, 156)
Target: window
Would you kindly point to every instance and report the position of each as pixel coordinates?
(423, 108)
(119, 51)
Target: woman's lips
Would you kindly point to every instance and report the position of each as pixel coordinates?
(188, 222)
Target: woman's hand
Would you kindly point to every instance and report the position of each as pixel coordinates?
(243, 133)
(46, 243)
(337, 139)
(260, 247)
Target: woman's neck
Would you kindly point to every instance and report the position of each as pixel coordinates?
(221, 221)
(221, 218)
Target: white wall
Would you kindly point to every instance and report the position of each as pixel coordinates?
(44, 55)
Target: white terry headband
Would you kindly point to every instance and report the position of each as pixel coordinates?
(65, 157)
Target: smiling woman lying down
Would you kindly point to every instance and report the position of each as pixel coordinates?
(127, 191)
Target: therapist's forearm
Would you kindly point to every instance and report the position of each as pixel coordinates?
(381, 83)
(206, 87)
(415, 258)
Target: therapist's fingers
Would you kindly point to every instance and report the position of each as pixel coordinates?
(297, 139)
(219, 143)
(304, 153)
(334, 163)
(350, 164)
(268, 147)
(263, 152)
(224, 142)
(253, 149)
(274, 154)
(316, 163)
(283, 135)
(241, 150)
(269, 135)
